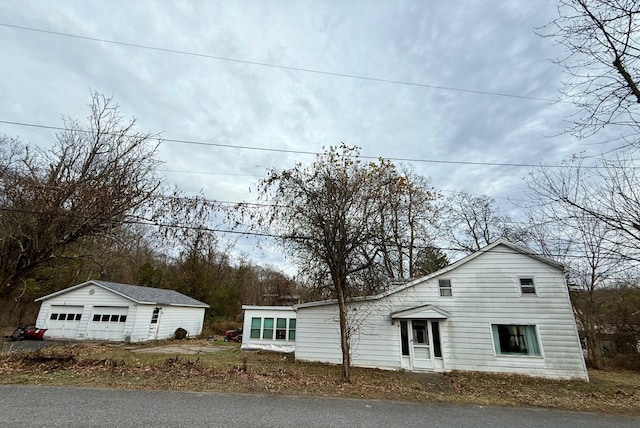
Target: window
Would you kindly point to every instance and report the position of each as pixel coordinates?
(515, 339)
(273, 328)
(292, 329)
(123, 318)
(527, 286)
(78, 317)
(105, 317)
(54, 316)
(62, 317)
(96, 317)
(281, 328)
(267, 332)
(255, 328)
(114, 318)
(420, 332)
(404, 337)
(445, 287)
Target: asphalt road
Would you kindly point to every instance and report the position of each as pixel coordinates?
(40, 406)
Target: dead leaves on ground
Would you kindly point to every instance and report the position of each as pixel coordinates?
(108, 366)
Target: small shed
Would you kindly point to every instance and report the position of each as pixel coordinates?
(101, 310)
(272, 328)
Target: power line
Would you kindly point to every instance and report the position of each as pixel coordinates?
(305, 152)
(148, 222)
(284, 67)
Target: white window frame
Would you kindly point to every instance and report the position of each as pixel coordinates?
(496, 341)
(533, 285)
(448, 290)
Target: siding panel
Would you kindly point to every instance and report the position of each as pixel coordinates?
(486, 291)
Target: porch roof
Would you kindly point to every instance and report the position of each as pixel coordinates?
(421, 312)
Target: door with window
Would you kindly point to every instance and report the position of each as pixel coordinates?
(421, 343)
(420, 348)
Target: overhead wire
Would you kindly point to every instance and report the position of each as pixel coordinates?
(306, 152)
(278, 66)
(148, 222)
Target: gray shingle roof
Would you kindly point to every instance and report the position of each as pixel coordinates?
(138, 294)
(157, 296)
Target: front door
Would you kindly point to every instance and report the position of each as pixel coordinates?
(420, 349)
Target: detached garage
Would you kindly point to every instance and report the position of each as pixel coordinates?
(101, 310)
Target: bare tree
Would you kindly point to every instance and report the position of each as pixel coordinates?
(595, 252)
(603, 61)
(85, 185)
(592, 267)
(339, 218)
(473, 221)
(608, 191)
(408, 219)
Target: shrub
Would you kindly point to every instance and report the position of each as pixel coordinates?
(180, 334)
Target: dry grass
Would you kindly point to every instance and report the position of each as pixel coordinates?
(223, 367)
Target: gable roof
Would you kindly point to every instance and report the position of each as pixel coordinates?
(464, 260)
(423, 311)
(137, 294)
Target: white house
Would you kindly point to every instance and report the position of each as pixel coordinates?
(100, 310)
(501, 309)
(271, 328)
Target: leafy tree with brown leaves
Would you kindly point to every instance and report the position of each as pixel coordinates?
(328, 217)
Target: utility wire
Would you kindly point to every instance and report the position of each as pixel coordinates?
(284, 67)
(148, 222)
(304, 152)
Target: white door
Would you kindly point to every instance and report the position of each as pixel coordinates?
(107, 323)
(420, 349)
(64, 321)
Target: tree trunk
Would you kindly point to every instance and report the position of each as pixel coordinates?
(344, 335)
(594, 349)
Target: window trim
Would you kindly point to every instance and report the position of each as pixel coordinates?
(259, 327)
(447, 289)
(535, 345)
(532, 286)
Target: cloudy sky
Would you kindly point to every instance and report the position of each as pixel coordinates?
(447, 84)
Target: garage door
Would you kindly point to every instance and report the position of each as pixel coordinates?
(107, 323)
(64, 321)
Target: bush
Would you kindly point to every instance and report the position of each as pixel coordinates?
(180, 334)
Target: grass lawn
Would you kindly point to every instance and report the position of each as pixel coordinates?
(222, 367)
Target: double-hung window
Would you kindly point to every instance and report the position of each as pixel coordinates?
(445, 287)
(515, 339)
(526, 285)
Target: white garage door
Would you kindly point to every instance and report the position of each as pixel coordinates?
(64, 321)
(107, 323)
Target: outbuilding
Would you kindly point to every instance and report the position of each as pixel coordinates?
(101, 310)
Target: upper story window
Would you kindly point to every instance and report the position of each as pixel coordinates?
(445, 287)
(526, 285)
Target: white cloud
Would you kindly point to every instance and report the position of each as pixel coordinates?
(481, 46)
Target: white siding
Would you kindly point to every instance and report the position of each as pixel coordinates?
(274, 312)
(94, 299)
(485, 291)
(79, 297)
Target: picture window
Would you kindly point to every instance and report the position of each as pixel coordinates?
(515, 339)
